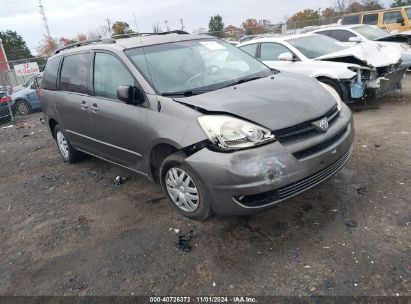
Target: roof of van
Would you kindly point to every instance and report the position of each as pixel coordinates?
(121, 43)
(378, 11)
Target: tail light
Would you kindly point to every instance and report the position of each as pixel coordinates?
(5, 99)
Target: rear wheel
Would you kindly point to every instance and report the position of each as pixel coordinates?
(23, 108)
(67, 151)
(184, 189)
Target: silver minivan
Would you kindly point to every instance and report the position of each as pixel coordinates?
(220, 131)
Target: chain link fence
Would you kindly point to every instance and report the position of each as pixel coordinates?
(18, 94)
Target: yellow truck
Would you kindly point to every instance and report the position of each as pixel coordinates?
(391, 19)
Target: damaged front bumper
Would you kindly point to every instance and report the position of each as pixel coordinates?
(245, 182)
(387, 83)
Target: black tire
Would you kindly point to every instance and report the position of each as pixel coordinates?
(22, 107)
(336, 86)
(204, 209)
(73, 155)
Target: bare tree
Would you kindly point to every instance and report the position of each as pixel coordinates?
(100, 32)
(157, 28)
(341, 5)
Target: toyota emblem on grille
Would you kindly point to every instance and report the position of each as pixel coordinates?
(321, 125)
(324, 124)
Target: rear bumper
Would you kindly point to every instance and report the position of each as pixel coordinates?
(245, 182)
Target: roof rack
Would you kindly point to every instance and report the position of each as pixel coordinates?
(86, 42)
(129, 35)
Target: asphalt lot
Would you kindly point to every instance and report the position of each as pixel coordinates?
(69, 230)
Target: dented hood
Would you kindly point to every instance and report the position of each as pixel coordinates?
(372, 54)
(284, 101)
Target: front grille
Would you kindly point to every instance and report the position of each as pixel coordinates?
(305, 129)
(280, 194)
(324, 145)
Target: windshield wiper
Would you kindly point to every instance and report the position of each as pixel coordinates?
(185, 93)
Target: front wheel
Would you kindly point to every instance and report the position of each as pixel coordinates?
(184, 190)
(67, 151)
(23, 108)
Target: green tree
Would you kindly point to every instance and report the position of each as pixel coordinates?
(120, 28)
(398, 3)
(14, 46)
(216, 26)
(304, 18)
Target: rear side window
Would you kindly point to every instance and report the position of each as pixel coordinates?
(371, 19)
(271, 51)
(50, 74)
(355, 19)
(325, 33)
(74, 75)
(109, 74)
(342, 35)
(250, 49)
(393, 17)
(408, 13)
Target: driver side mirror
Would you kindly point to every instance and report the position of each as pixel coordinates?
(355, 39)
(401, 20)
(130, 95)
(286, 56)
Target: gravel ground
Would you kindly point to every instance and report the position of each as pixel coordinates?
(69, 230)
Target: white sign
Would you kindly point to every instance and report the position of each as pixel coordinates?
(27, 69)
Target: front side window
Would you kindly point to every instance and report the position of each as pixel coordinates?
(370, 32)
(50, 74)
(250, 49)
(271, 51)
(409, 12)
(355, 19)
(371, 19)
(109, 74)
(342, 35)
(74, 75)
(393, 17)
(316, 45)
(195, 65)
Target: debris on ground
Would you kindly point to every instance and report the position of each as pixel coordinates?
(19, 125)
(154, 200)
(293, 255)
(176, 230)
(351, 224)
(362, 190)
(377, 146)
(307, 207)
(184, 241)
(406, 221)
(121, 180)
(328, 283)
(7, 127)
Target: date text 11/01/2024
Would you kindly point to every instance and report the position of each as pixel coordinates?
(204, 299)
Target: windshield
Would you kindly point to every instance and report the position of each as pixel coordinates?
(371, 32)
(316, 45)
(196, 65)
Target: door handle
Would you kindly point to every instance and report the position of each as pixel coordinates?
(94, 108)
(84, 106)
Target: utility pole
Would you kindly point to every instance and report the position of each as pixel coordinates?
(182, 24)
(319, 16)
(109, 25)
(43, 15)
(166, 22)
(135, 21)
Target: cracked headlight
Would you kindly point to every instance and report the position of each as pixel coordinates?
(334, 94)
(230, 133)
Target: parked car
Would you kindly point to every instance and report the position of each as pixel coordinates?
(350, 35)
(26, 83)
(222, 134)
(391, 19)
(26, 100)
(354, 73)
(5, 114)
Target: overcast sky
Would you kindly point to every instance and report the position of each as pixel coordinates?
(68, 18)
